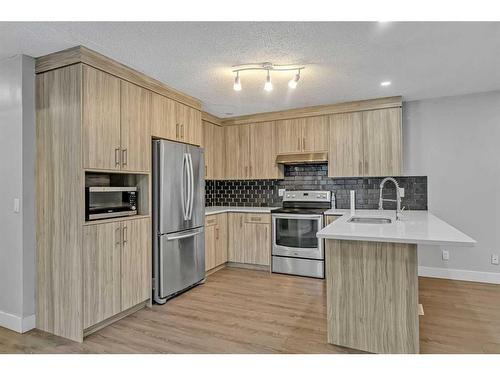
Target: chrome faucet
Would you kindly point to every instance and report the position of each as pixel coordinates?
(397, 200)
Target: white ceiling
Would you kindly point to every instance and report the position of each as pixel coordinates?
(345, 60)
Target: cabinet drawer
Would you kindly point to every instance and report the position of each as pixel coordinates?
(257, 218)
(211, 220)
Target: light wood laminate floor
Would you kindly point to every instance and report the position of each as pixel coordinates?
(245, 311)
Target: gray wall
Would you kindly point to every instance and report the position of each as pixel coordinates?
(17, 168)
(455, 141)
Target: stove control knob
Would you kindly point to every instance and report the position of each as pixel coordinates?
(293, 195)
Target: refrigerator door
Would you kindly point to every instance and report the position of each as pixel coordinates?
(171, 183)
(181, 261)
(196, 208)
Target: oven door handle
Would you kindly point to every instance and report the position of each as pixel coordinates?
(296, 216)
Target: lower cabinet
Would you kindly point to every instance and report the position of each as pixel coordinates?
(116, 268)
(215, 240)
(249, 238)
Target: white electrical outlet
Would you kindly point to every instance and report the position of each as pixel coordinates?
(281, 192)
(494, 258)
(446, 255)
(402, 192)
(16, 205)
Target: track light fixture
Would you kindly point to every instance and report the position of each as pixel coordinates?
(268, 67)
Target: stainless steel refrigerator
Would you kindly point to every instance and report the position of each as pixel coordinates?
(178, 218)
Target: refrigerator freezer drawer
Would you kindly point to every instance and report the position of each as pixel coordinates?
(181, 261)
(297, 266)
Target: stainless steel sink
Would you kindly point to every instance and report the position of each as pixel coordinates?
(369, 220)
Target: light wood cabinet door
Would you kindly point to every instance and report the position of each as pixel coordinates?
(236, 245)
(188, 124)
(101, 272)
(219, 154)
(382, 142)
(135, 262)
(262, 150)
(289, 135)
(315, 134)
(221, 240)
(345, 148)
(162, 117)
(210, 242)
(135, 128)
(257, 239)
(100, 119)
(237, 152)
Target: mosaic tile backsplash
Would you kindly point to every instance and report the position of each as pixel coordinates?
(314, 177)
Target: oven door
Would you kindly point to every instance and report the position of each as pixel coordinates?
(294, 235)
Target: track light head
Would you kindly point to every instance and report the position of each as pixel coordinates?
(237, 82)
(269, 85)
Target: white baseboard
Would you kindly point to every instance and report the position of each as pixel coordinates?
(463, 275)
(16, 323)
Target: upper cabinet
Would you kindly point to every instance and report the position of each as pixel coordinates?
(135, 128)
(213, 142)
(382, 142)
(115, 123)
(251, 151)
(100, 119)
(175, 121)
(365, 143)
(308, 134)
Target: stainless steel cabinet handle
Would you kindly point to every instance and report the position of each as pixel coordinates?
(177, 130)
(298, 140)
(303, 144)
(182, 131)
(124, 156)
(125, 235)
(117, 157)
(117, 236)
(255, 218)
(217, 233)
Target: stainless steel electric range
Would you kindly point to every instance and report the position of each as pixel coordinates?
(295, 249)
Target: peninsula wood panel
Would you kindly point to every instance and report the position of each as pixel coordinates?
(345, 148)
(101, 272)
(135, 128)
(372, 296)
(237, 152)
(162, 117)
(236, 246)
(262, 151)
(136, 262)
(382, 142)
(315, 134)
(101, 119)
(60, 202)
(289, 136)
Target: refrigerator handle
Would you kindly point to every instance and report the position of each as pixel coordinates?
(187, 234)
(191, 172)
(183, 187)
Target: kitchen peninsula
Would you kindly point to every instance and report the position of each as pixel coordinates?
(372, 276)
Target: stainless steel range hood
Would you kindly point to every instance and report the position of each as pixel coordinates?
(302, 158)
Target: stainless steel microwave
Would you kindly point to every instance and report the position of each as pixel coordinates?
(104, 202)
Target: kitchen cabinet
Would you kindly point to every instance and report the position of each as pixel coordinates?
(382, 142)
(116, 268)
(163, 117)
(367, 143)
(188, 124)
(100, 119)
(251, 152)
(215, 150)
(249, 238)
(215, 241)
(345, 150)
(308, 134)
(101, 272)
(237, 152)
(135, 128)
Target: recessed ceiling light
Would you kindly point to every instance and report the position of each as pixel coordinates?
(385, 83)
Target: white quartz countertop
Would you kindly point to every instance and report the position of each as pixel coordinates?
(415, 227)
(212, 210)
